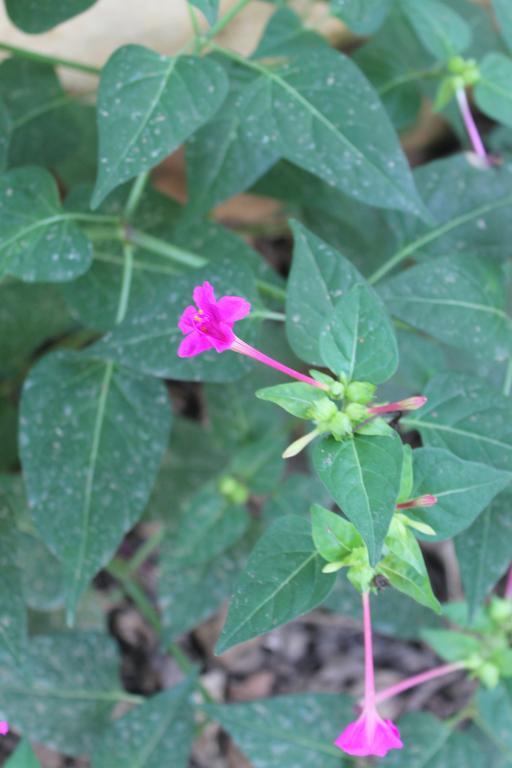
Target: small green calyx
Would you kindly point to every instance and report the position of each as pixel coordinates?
(466, 70)
(233, 490)
(361, 392)
(357, 412)
(500, 611)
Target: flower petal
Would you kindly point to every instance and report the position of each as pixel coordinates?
(186, 323)
(223, 337)
(194, 344)
(233, 308)
(204, 296)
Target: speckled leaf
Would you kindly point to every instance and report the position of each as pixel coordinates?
(148, 105)
(38, 241)
(209, 525)
(358, 340)
(189, 593)
(5, 134)
(282, 581)
(460, 300)
(470, 207)
(430, 743)
(29, 315)
(286, 34)
(259, 464)
(441, 30)
(43, 119)
(483, 550)
(503, 12)
(319, 276)
(13, 619)
(149, 337)
(193, 453)
(92, 438)
(492, 92)
(362, 16)
(156, 733)
(209, 8)
(292, 731)
(23, 757)
(463, 489)
(468, 417)
(295, 495)
(318, 114)
(36, 16)
(363, 477)
(495, 709)
(65, 691)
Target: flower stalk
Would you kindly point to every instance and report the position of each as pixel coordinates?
(469, 122)
(415, 680)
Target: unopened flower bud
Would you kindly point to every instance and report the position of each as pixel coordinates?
(489, 674)
(233, 490)
(427, 500)
(360, 392)
(340, 426)
(357, 412)
(323, 410)
(500, 609)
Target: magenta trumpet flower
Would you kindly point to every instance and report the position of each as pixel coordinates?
(4, 727)
(370, 734)
(209, 325)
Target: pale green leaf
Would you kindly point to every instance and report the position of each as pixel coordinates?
(13, 618)
(334, 537)
(209, 8)
(492, 91)
(23, 757)
(362, 16)
(441, 30)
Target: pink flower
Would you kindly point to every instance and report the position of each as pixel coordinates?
(410, 404)
(209, 325)
(370, 734)
(4, 727)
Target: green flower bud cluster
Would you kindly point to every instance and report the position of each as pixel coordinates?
(234, 491)
(462, 73)
(340, 423)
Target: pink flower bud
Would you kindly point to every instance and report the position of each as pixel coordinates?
(409, 404)
(4, 727)
(428, 500)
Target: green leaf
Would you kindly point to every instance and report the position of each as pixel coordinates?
(149, 337)
(318, 278)
(43, 121)
(362, 16)
(92, 438)
(468, 417)
(259, 464)
(36, 17)
(9, 432)
(287, 35)
(13, 618)
(334, 537)
(299, 729)
(209, 526)
(282, 581)
(358, 339)
(296, 493)
(190, 592)
(495, 710)
(38, 241)
(318, 112)
(158, 732)
(297, 398)
(5, 134)
(193, 453)
(503, 12)
(492, 91)
(209, 8)
(362, 474)
(483, 550)
(404, 567)
(65, 690)
(450, 645)
(441, 30)
(23, 757)
(29, 316)
(463, 489)
(148, 105)
(460, 300)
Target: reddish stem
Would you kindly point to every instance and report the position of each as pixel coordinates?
(411, 682)
(369, 674)
(470, 124)
(508, 584)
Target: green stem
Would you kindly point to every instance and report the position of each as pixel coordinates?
(145, 551)
(160, 247)
(507, 385)
(266, 314)
(126, 283)
(54, 61)
(135, 194)
(226, 19)
(271, 290)
(410, 77)
(195, 28)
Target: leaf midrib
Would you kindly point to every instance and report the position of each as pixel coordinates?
(456, 431)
